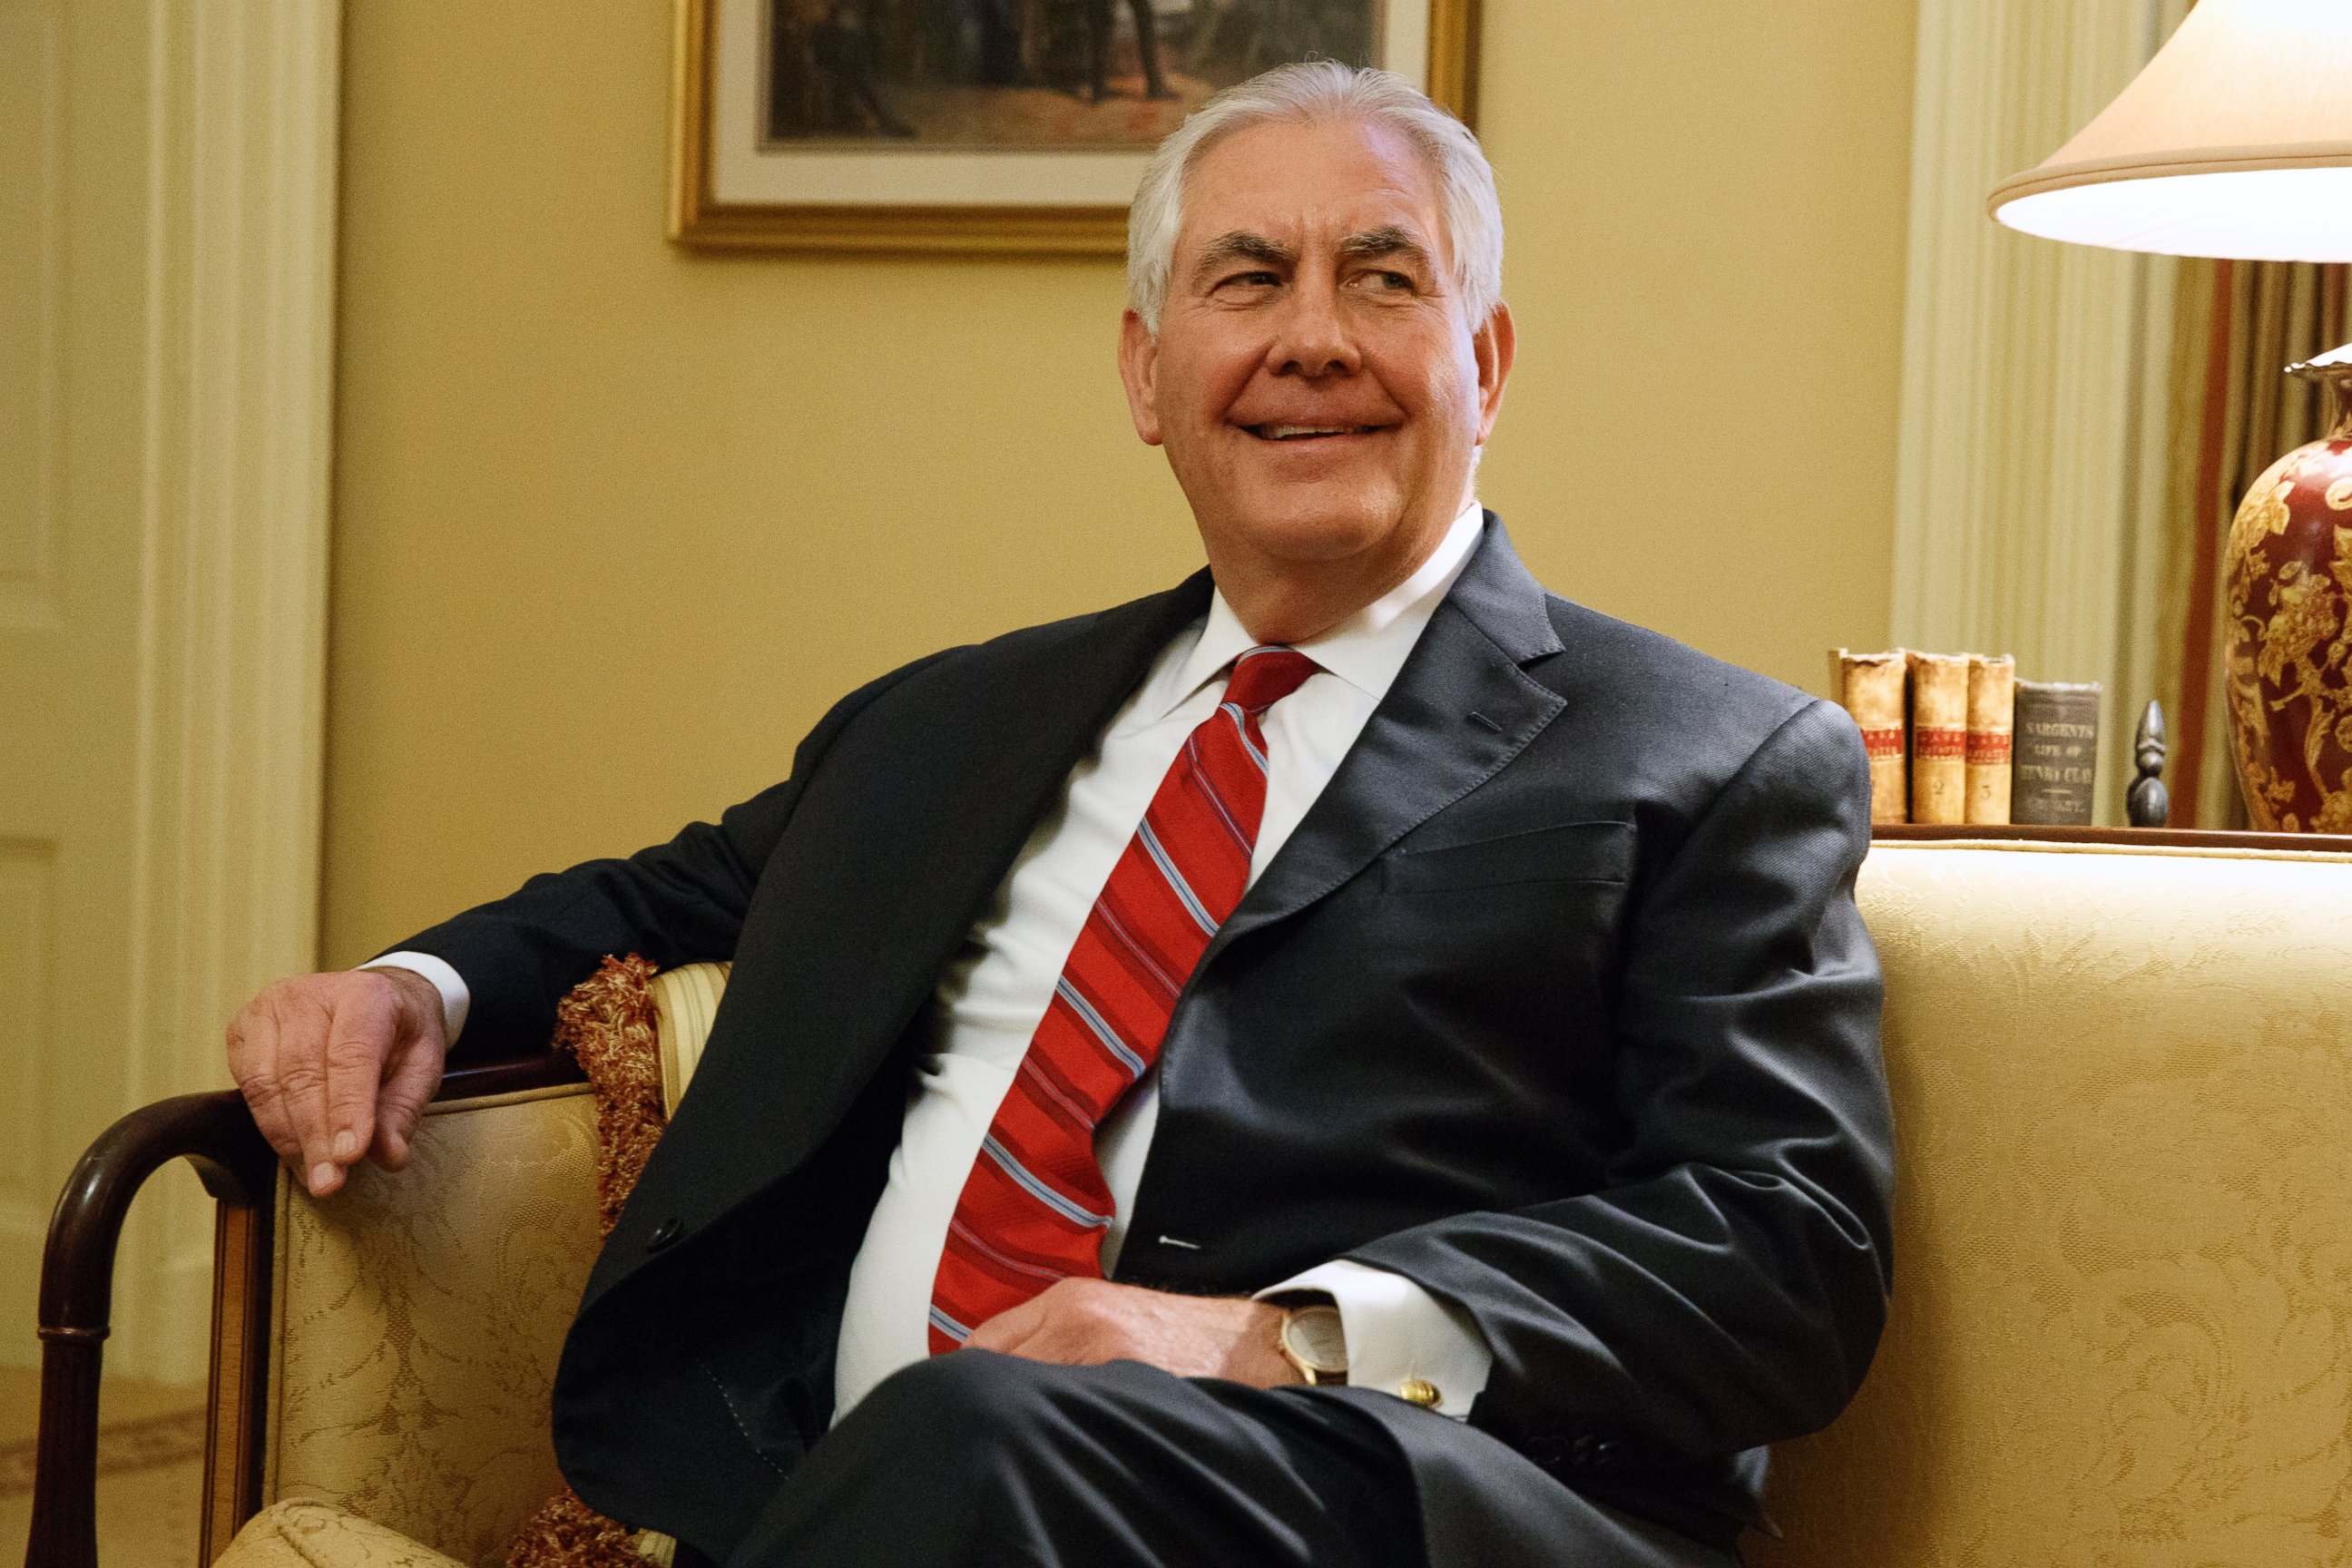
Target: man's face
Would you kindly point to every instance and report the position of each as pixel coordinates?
(1319, 393)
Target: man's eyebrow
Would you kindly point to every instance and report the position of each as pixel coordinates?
(1389, 239)
(1241, 245)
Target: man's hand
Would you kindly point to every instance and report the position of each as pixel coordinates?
(337, 1066)
(1082, 1322)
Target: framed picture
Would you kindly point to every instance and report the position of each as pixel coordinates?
(984, 125)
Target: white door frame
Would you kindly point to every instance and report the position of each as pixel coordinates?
(240, 405)
(233, 422)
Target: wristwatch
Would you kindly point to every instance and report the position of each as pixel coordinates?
(1313, 1340)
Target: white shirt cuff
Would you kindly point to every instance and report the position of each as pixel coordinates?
(455, 997)
(1397, 1332)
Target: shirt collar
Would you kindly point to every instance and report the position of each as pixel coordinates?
(1365, 651)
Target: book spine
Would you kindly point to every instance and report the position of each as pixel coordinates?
(1869, 686)
(1939, 737)
(2056, 772)
(1993, 704)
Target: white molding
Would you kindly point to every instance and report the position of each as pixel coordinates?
(243, 152)
(2028, 366)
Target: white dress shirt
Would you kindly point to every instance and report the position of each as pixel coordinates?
(994, 993)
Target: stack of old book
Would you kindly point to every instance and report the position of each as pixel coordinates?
(1958, 738)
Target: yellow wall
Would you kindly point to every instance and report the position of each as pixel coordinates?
(580, 475)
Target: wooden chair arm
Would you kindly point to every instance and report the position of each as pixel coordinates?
(214, 1134)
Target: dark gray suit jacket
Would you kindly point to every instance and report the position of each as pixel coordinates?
(1556, 1002)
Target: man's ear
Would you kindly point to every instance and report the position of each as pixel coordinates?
(1139, 369)
(1496, 344)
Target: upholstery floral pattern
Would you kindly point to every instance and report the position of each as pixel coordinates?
(420, 1315)
(320, 1535)
(2122, 1326)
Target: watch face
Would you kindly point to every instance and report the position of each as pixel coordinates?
(1316, 1336)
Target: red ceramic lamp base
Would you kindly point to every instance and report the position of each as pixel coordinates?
(2289, 649)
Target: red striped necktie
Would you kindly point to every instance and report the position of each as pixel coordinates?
(1034, 1208)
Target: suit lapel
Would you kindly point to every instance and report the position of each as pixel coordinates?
(1017, 745)
(1006, 738)
(1460, 710)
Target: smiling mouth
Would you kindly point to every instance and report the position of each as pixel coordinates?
(1307, 432)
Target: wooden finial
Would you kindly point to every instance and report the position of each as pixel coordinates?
(2149, 804)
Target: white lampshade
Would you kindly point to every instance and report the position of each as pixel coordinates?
(2235, 142)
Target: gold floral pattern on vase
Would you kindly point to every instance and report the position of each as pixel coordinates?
(2288, 658)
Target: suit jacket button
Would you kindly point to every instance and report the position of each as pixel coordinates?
(1580, 1452)
(1608, 1454)
(669, 1230)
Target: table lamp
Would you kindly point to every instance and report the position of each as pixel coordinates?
(2236, 142)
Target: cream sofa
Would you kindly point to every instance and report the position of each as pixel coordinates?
(2122, 1329)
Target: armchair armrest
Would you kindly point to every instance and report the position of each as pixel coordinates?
(213, 1132)
(216, 1133)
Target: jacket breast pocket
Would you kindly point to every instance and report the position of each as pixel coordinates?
(1569, 852)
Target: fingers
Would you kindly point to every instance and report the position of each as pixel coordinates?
(301, 1069)
(1084, 1322)
(412, 1074)
(1010, 1328)
(253, 1061)
(310, 1054)
(298, 1070)
(361, 1032)
(1074, 1321)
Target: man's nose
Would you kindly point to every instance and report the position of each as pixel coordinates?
(1314, 338)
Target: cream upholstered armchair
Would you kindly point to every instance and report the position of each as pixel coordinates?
(382, 1357)
(2122, 1329)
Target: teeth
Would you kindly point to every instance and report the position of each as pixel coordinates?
(1292, 432)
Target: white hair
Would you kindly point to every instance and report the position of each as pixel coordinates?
(1303, 94)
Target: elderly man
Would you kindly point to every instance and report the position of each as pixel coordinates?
(1350, 1060)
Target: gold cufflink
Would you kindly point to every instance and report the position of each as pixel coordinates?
(1419, 1391)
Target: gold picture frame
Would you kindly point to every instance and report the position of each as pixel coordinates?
(703, 217)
